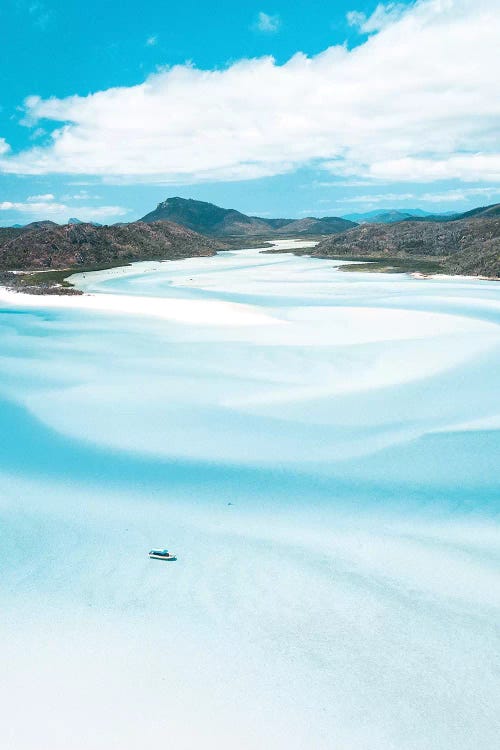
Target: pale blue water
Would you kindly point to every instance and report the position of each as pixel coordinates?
(348, 598)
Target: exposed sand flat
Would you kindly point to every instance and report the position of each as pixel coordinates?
(199, 312)
(329, 486)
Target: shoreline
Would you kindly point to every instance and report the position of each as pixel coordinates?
(389, 265)
(61, 293)
(54, 281)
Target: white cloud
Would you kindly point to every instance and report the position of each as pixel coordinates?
(152, 41)
(380, 198)
(37, 133)
(452, 196)
(448, 196)
(4, 146)
(383, 15)
(267, 23)
(46, 197)
(83, 195)
(355, 18)
(470, 167)
(417, 101)
(45, 206)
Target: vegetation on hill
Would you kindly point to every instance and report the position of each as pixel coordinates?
(213, 220)
(469, 246)
(85, 246)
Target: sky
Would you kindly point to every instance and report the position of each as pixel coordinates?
(280, 109)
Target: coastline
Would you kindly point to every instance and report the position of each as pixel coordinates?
(418, 268)
(56, 282)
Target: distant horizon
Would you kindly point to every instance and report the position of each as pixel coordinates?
(48, 206)
(372, 212)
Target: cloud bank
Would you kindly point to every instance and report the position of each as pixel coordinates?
(47, 206)
(418, 100)
(489, 194)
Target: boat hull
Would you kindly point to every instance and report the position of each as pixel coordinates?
(170, 558)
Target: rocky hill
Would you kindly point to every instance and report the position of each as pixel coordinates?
(213, 220)
(387, 215)
(481, 211)
(206, 218)
(314, 227)
(390, 215)
(468, 246)
(46, 224)
(86, 245)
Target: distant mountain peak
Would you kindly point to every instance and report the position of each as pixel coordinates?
(207, 218)
(75, 221)
(45, 224)
(391, 215)
(386, 215)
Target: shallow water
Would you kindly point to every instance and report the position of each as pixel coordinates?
(327, 476)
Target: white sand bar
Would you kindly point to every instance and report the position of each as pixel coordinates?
(199, 312)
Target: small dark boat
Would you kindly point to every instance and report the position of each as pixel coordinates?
(161, 554)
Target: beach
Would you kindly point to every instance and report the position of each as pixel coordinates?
(320, 451)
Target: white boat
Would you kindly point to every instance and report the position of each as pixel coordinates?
(161, 554)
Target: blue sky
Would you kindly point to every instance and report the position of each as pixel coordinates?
(399, 112)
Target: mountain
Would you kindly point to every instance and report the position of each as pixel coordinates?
(390, 215)
(206, 218)
(469, 245)
(33, 225)
(386, 215)
(73, 220)
(313, 226)
(274, 223)
(482, 211)
(84, 245)
(41, 225)
(213, 220)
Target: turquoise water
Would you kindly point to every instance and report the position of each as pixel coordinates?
(328, 477)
